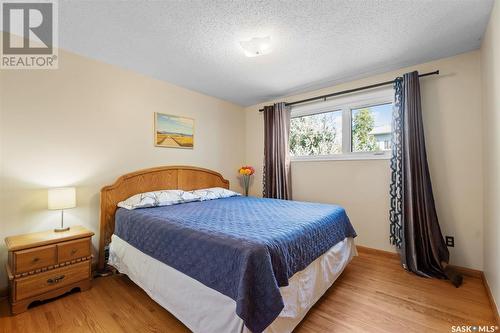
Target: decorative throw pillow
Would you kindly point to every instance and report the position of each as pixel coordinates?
(158, 198)
(214, 193)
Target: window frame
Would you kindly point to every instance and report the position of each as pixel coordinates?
(345, 104)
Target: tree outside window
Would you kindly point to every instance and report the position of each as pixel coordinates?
(319, 134)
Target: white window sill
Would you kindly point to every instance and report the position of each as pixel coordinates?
(341, 157)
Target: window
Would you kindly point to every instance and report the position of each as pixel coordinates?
(352, 127)
(371, 128)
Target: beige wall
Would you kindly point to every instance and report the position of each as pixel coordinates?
(490, 62)
(87, 123)
(453, 124)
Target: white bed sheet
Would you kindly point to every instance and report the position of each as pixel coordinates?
(205, 310)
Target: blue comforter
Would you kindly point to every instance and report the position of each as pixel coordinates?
(245, 248)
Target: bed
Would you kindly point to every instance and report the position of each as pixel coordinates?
(234, 264)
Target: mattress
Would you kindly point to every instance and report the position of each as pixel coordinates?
(205, 310)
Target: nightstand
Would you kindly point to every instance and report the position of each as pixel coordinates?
(47, 264)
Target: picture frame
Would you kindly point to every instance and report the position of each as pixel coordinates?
(173, 131)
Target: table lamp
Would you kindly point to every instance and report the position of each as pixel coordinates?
(62, 198)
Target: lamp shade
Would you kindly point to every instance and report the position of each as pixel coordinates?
(62, 198)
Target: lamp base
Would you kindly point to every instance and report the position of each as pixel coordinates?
(61, 229)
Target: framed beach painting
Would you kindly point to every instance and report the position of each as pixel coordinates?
(173, 131)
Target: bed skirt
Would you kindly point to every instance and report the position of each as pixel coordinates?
(205, 310)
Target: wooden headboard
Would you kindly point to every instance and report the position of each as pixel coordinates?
(161, 178)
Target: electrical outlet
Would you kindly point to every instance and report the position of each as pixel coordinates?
(450, 241)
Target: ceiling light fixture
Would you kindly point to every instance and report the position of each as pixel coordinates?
(256, 46)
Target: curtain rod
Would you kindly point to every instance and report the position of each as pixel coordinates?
(324, 97)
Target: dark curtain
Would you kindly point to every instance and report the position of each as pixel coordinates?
(414, 223)
(276, 180)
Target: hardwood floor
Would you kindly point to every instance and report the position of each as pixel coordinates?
(373, 295)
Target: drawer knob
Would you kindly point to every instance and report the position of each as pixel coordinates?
(73, 251)
(36, 259)
(55, 280)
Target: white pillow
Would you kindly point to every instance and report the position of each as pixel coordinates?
(214, 193)
(158, 198)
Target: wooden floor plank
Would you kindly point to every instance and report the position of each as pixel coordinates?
(373, 295)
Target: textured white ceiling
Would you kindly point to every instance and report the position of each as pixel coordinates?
(195, 44)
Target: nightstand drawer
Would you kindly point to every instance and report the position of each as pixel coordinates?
(71, 250)
(33, 259)
(56, 278)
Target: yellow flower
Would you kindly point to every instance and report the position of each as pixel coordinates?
(242, 171)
